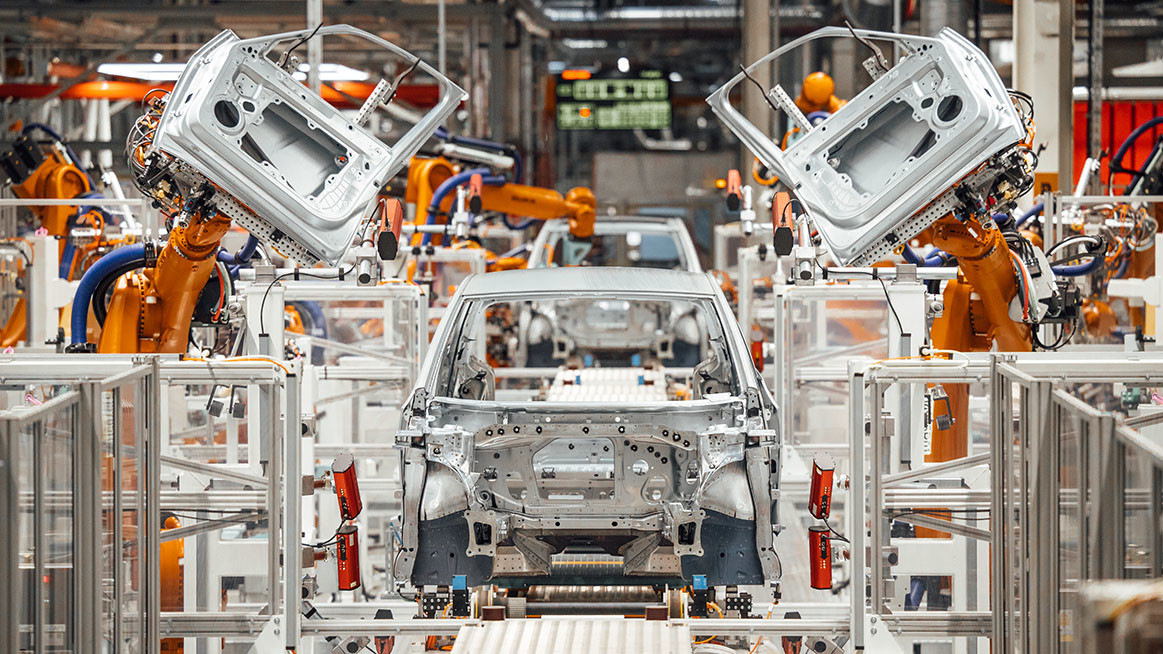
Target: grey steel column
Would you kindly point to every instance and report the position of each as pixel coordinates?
(441, 37)
(1066, 95)
(1094, 83)
(756, 44)
(497, 86)
(314, 46)
(292, 508)
(855, 508)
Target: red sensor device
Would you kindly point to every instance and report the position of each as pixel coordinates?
(346, 486)
(820, 499)
(347, 557)
(820, 554)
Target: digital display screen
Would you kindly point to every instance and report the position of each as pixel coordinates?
(635, 102)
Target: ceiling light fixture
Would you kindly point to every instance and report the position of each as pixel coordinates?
(170, 72)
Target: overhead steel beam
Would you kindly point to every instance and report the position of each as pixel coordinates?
(235, 8)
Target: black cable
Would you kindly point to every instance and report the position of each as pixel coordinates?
(100, 309)
(945, 513)
(330, 541)
(262, 306)
(287, 55)
(760, 87)
(400, 78)
(900, 326)
(834, 532)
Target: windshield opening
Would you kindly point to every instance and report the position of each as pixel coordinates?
(630, 249)
(587, 349)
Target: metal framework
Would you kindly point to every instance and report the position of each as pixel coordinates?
(1075, 494)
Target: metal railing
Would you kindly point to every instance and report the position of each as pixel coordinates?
(90, 458)
(1079, 488)
(1075, 487)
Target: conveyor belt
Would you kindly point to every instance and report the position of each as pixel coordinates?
(608, 385)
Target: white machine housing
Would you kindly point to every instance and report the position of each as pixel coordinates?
(308, 175)
(865, 174)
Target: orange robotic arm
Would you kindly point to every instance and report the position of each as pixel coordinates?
(151, 310)
(55, 177)
(426, 175)
(976, 315)
(544, 204)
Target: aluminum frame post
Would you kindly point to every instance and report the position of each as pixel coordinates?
(1001, 403)
(271, 408)
(1041, 541)
(856, 509)
(150, 435)
(87, 522)
(292, 507)
(10, 600)
(877, 528)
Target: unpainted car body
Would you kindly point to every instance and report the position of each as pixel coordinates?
(637, 241)
(561, 487)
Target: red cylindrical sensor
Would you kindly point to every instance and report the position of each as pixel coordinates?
(820, 553)
(346, 486)
(820, 499)
(347, 557)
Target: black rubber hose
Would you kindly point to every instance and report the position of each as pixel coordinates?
(100, 310)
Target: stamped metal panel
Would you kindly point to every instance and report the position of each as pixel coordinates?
(900, 143)
(307, 172)
(571, 635)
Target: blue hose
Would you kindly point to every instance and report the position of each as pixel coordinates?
(517, 228)
(1079, 269)
(448, 186)
(243, 255)
(1034, 210)
(105, 266)
(1123, 268)
(935, 258)
(1116, 162)
(85, 208)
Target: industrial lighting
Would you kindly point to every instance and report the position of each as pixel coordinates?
(153, 72)
(585, 44)
(157, 57)
(333, 73)
(575, 73)
(623, 65)
(675, 77)
(169, 72)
